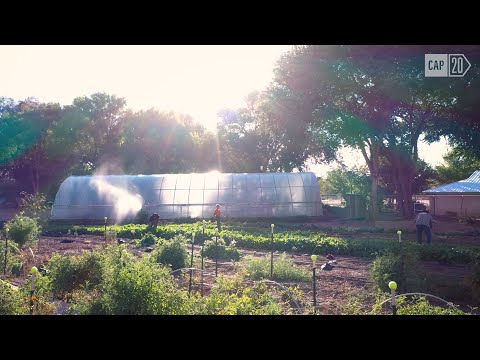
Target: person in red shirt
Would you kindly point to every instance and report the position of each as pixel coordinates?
(217, 214)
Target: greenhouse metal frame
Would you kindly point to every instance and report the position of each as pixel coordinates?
(247, 195)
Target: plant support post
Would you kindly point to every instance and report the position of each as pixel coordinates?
(393, 286)
(105, 231)
(201, 285)
(34, 272)
(191, 266)
(314, 283)
(216, 254)
(6, 251)
(271, 256)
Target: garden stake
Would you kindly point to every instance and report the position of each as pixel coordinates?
(191, 265)
(201, 286)
(216, 254)
(6, 250)
(393, 286)
(271, 256)
(314, 282)
(399, 233)
(105, 232)
(34, 272)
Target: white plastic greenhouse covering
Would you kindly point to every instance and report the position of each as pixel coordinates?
(120, 197)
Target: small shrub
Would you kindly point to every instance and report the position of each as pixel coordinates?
(11, 300)
(234, 297)
(23, 229)
(420, 306)
(223, 251)
(172, 253)
(68, 273)
(402, 268)
(283, 269)
(148, 240)
(138, 287)
(473, 281)
(35, 206)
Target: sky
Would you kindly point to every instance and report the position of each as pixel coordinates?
(198, 80)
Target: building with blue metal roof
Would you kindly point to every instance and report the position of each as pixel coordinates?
(461, 198)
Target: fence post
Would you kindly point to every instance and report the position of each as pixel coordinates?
(314, 282)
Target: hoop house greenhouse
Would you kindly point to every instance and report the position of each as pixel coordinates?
(120, 197)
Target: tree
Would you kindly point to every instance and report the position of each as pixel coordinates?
(374, 98)
(459, 165)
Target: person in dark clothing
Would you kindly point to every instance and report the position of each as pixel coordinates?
(423, 221)
(153, 221)
(217, 214)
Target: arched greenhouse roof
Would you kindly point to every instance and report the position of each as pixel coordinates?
(120, 197)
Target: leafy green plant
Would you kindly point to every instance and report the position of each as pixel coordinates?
(223, 251)
(35, 206)
(401, 268)
(231, 296)
(172, 252)
(11, 300)
(148, 240)
(23, 229)
(283, 269)
(136, 287)
(68, 273)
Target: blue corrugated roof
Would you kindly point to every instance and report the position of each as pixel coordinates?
(470, 185)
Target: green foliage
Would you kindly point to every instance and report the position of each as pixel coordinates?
(231, 296)
(137, 287)
(142, 217)
(283, 269)
(473, 281)
(341, 181)
(15, 258)
(459, 165)
(221, 250)
(172, 253)
(288, 237)
(35, 206)
(401, 268)
(11, 301)
(421, 306)
(148, 239)
(23, 229)
(68, 273)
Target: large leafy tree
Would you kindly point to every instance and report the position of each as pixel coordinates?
(262, 136)
(374, 98)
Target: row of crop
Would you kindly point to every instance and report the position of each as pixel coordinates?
(301, 241)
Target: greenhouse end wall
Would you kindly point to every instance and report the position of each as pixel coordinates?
(172, 196)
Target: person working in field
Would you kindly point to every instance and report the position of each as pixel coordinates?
(217, 214)
(153, 221)
(423, 221)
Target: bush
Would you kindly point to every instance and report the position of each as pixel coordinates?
(35, 206)
(23, 229)
(148, 240)
(68, 273)
(473, 281)
(14, 258)
(172, 252)
(283, 269)
(402, 268)
(137, 287)
(234, 297)
(223, 251)
(11, 301)
(420, 306)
